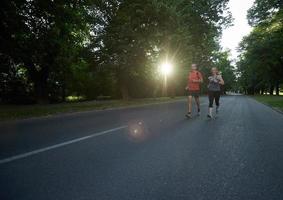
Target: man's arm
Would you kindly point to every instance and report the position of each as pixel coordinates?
(187, 87)
(200, 78)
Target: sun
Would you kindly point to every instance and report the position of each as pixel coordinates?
(166, 68)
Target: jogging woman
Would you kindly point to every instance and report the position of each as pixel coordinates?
(214, 90)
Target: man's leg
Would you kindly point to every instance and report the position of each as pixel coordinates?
(190, 104)
(197, 103)
(188, 115)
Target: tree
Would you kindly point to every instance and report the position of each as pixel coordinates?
(261, 64)
(142, 33)
(92, 47)
(44, 38)
(264, 10)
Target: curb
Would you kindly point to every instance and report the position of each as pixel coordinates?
(75, 113)
(273, 108)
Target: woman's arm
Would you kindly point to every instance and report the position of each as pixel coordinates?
(221, 81)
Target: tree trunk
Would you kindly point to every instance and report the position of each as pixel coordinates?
(262, 91)
(277, 89)
(124, 92)
(164, 87)
(63, 95)
(39, 78)
(251, 91)
(271, 89)
(123, 85)
(41, 94)
(172, 89)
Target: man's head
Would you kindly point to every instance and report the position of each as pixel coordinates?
(194, 66)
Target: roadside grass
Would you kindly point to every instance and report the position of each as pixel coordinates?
(273, 101)
(13, 112)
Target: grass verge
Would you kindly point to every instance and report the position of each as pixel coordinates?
(273, 101)
(13, 112)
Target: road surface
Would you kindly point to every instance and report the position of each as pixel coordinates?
(146, 153)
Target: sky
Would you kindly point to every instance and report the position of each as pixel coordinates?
(232, 36)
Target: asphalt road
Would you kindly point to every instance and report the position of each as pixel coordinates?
(146, 153)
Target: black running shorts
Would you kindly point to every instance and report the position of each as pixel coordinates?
(194, 93)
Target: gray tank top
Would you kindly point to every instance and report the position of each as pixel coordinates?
(213, 84)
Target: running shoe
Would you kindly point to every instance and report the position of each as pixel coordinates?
(188, 115)
(198, 113)
(217, 109)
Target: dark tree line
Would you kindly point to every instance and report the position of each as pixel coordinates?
(261, 60)
(54, 49)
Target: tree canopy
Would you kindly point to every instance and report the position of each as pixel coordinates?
(261, 60)
(53, 49)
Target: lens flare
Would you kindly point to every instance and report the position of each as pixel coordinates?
(137, 131)
(166, 68)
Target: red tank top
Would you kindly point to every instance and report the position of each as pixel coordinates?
(194, 75)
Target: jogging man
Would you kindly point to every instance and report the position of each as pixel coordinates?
(193, 88)
(214, 90)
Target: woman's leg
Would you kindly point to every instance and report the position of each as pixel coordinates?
(211, 99)
(217, 99)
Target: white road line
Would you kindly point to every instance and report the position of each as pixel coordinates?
(31, 153)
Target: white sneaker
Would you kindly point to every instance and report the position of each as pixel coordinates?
(209, 115)
(217, 109)
(189, 115)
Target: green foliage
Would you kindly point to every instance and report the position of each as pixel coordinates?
(261, 61)
(45, 38)
(91, 48)
(264, 10)
(142, 34)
